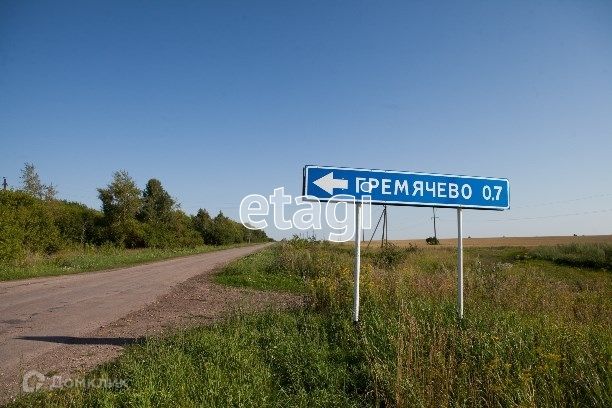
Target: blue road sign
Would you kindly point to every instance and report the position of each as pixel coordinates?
(406, 188)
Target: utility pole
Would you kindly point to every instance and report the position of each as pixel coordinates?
(385, 228)
(434, 220)
(375, 229)
(382, 237)
(4, 183)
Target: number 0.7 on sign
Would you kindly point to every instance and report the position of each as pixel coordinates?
(406, 188)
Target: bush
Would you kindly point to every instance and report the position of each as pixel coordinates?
(432, 241)
(11, 235)
(27, 226)
(391, 255)
(77, 224)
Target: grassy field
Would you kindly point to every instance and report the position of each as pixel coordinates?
(537, 332)
(92, 259)
(511, 241)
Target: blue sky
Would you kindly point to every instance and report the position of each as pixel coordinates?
(222, 99)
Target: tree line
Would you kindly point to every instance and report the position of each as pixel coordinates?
(34, 221)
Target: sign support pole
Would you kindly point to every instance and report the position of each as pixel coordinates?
(460, 263)
(357, 262)
(386, 187)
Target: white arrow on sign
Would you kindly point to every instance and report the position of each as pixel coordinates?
(328, 183)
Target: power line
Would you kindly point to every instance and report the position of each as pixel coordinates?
(553, 216)
(540, 205)
(564, 201)
(411, 226)
(605, 210)
(540, 217)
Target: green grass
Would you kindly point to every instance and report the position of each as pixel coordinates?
(597, 256)
(251, 361)
(589, 256)
(535, 333)
(258, 271)
(93, 259)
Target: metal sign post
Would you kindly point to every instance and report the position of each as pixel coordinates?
(460, 263)
(385, 187)
(357, 262)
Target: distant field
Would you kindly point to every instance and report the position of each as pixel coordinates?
(510, 241)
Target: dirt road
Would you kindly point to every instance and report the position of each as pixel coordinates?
(60, 324)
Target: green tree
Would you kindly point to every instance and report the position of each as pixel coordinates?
(164, 224)
(203, 224)
(32, 185)
(222, 231)
(121, 203)
(184, 232)
(225, 231)
(157, 205)
(253, 235)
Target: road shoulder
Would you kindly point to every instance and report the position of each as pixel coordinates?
(195, 302)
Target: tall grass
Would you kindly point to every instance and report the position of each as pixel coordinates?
(580, 255)
(505, 352)
(533, 335)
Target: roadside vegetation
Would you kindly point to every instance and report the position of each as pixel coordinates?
(535, 333)
(41, 235)
(95, 259)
